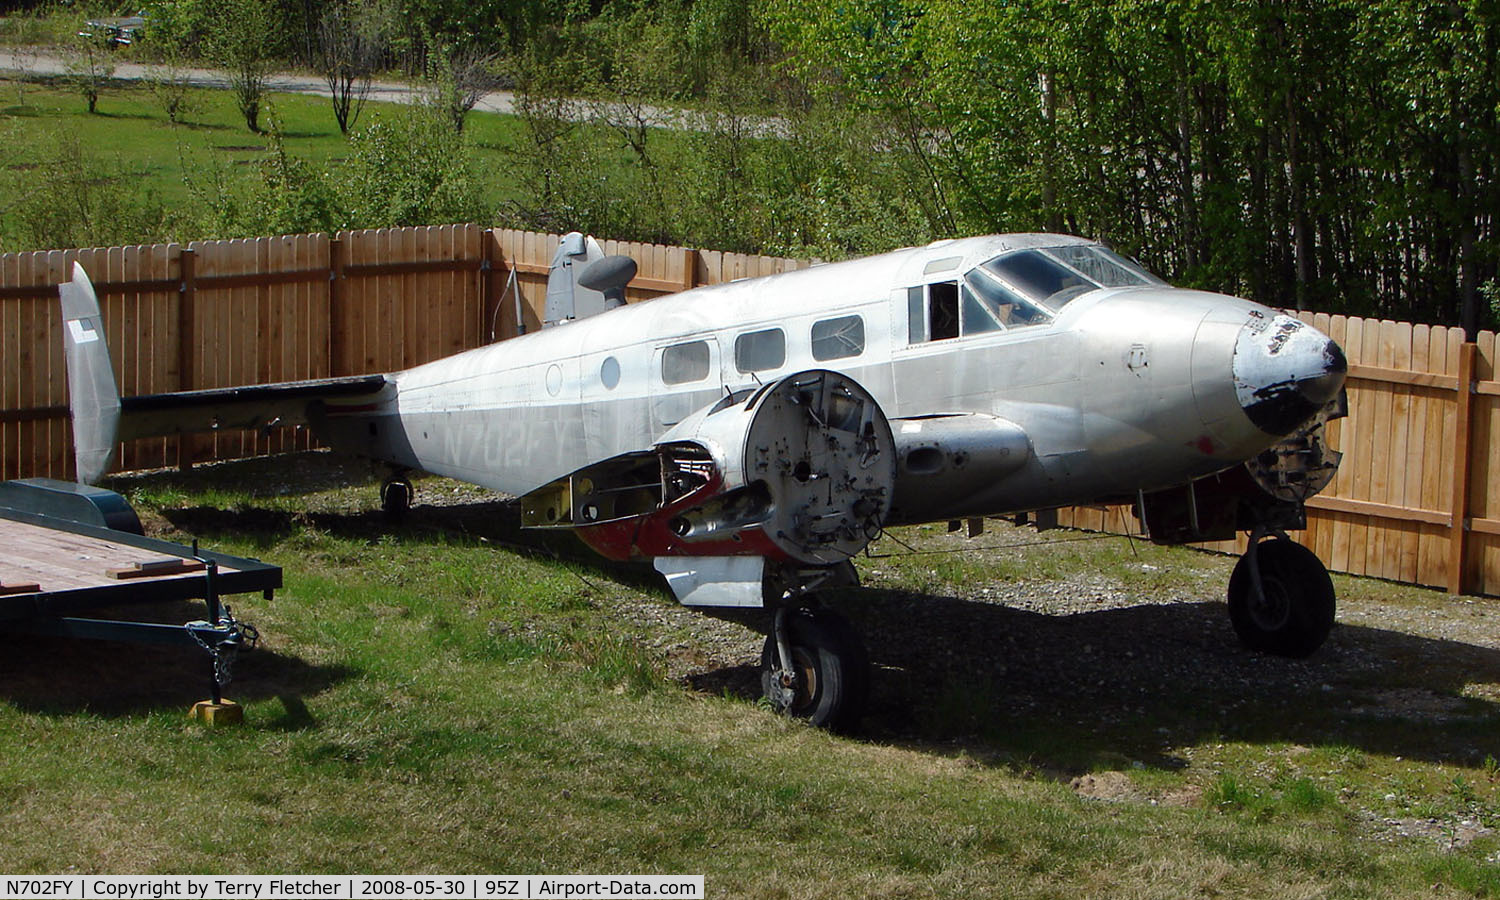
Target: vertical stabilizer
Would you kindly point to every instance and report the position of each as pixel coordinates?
(93, 394)
(571, 292)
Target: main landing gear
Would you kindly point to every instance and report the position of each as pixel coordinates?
(814, 665)
(1281, 599)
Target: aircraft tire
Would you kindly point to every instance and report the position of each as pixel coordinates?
(1297, 611)
(833, 669)
(395, 498)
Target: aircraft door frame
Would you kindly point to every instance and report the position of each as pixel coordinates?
(670, 403)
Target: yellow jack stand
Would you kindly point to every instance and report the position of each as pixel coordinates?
(214, 714)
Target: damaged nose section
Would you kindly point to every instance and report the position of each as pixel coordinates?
(1285, 371)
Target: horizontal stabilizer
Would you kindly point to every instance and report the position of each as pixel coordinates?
(101, 419)
(255, 406)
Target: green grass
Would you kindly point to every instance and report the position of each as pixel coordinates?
(434, 698)
(132, 134)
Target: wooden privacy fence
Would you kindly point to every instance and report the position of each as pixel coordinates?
(222, 313)
(1413, 500)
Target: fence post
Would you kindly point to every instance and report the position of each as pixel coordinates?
(336, 362)
(187, 340)
(490, 308)
(1458, 534)
(689, 268)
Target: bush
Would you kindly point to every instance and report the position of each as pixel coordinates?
(409, 167)
(75, 199)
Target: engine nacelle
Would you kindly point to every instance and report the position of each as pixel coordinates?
(946, 460)
(802, 469)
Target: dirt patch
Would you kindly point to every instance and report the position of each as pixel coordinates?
(1448, 832)
(1112, 787)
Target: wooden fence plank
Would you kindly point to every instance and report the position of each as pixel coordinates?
(1462, 459)
(1352, 438)
(50, 434)
(1481, 545)
(1380, 450)
(10, 352)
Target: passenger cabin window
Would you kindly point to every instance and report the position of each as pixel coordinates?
(684, 363)
(838, 338)
(760, 350)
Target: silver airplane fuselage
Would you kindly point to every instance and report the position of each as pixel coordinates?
(1124, 389)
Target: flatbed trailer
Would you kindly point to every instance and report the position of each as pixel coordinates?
(67, 549)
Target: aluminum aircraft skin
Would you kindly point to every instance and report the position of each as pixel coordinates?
(750, 438)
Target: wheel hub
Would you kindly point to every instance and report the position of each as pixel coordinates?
(1272, 608)
(797, 688)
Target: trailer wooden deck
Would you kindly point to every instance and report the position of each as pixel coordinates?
(65, 551)
(50, 567)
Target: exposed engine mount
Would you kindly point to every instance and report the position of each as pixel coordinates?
(1268, 491)
(802, 469)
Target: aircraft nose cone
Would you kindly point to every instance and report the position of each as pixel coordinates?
(1285, 371)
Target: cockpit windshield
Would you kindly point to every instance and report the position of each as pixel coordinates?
(1050, 277)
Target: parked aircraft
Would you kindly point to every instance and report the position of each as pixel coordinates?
(751, 438)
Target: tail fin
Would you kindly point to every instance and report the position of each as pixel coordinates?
(93, 393)
(582, 281)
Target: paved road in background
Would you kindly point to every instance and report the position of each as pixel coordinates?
(393, 92)
(386, 91)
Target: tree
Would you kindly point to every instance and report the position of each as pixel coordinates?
(243, 41)
(409, 168)
(457, 78)
(170, 80)
(89, 67)
(348, 50)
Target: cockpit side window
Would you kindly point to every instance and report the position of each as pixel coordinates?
(1011, 309)
(977, 317)
(942, 310)
(933, 312)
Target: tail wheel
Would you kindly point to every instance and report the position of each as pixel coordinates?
(831, 672)
(1290, 612)
(395, 497)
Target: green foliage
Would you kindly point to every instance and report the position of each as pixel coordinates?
(75, 198)
(1227, 793)
(1339, 154)
(409, 167)
(294, 197)
(179, 27)
(171, 86)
